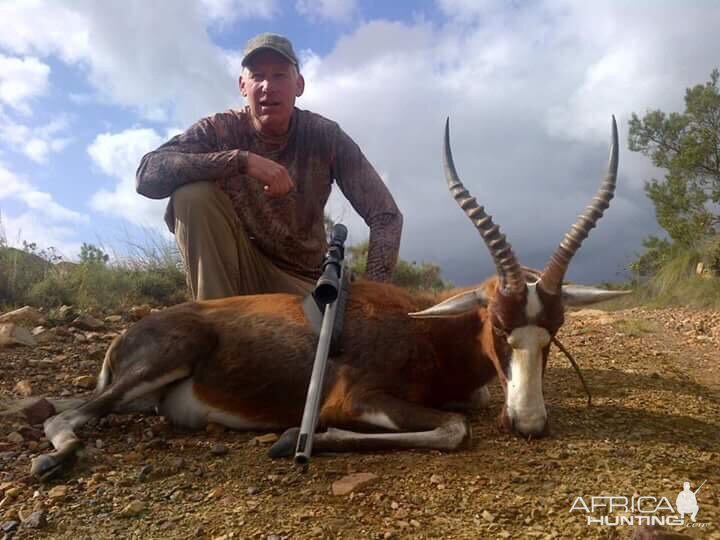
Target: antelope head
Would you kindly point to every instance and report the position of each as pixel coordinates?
(523, 309)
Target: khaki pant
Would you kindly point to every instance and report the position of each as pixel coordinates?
(220, 259)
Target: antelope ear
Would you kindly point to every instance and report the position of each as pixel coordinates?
(582, 295)
(455, 305)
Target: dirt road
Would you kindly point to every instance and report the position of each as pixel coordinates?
(654, 424)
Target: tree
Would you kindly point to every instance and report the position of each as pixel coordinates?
(91, 254)
(687, 145)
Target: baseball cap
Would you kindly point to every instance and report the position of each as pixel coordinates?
(267, 41)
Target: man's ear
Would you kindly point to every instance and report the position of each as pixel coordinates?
(300, 86)
(241, 84)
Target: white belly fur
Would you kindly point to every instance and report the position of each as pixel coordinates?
(183, 408)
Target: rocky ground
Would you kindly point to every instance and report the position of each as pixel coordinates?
(654, 423)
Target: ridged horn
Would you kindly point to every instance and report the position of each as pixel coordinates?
(508, 268)
(554, 272)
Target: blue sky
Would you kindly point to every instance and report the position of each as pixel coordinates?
(86, 88)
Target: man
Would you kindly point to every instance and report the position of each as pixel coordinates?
(249, 187)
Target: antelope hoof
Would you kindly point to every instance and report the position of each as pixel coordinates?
(285, 445)
(46, 467)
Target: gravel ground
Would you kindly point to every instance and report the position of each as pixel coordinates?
(654, 423)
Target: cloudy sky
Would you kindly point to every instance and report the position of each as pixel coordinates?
(86, 88)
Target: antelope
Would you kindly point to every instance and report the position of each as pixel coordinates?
(245, 362)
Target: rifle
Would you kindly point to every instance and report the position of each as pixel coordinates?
(326, 293)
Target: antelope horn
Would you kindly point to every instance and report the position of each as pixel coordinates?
(508, 268)
(552, 276)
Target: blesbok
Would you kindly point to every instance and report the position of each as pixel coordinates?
(245, 362)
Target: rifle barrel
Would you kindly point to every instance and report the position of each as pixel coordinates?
(309, 421)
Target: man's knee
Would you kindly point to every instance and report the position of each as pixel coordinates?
(197, 197)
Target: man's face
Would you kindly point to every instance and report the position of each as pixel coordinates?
(270, 83)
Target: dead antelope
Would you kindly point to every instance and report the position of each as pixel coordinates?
(245, 362)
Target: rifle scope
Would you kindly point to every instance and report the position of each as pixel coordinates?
(326, 289)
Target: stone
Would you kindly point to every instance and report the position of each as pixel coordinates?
(36, 520)
(133, 509)
(14, 437)
(268, 438)
(31, 434)
(86, 382)
(487, 516)
(66, 313)
(113, 319)
(218, 449)
(348, 484)
(25, 314)
(12, 335)
(39, 411)
(9, 526)
(214, 428)
(139, 312)
(58, 492)
(42, 335)
(24, 388)
(88, 322)
(13, 492)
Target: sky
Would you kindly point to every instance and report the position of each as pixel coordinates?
(87, 88)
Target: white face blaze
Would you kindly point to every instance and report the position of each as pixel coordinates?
(525, 403)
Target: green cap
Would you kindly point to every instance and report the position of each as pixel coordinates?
(273, 42)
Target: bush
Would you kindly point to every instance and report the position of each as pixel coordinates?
(41, 278)
(411, 275)
(676, 282)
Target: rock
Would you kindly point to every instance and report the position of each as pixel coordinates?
(31, 434)
(58, 492)
(66, 313)
(36, 520)
(25, 314)
(215, 494)
(12, 334)
(215, 429)
(39, 411)
(13, 492)
(487, 516)
(653, 532)
(62, 331)
(113, 319)
(138, 312)
(14, 437)
(145, 472)
(436, 479)
(9, 526)
(87, 382)
(133, 509)
(24, 388)
(219, 449)
(253, 490)
(88, 322)
(268, 438)
(42, 335)
(348, 484)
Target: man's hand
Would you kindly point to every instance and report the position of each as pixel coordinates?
(274, 177)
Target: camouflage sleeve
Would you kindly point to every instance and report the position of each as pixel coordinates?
(370, 197)
(192, 156)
